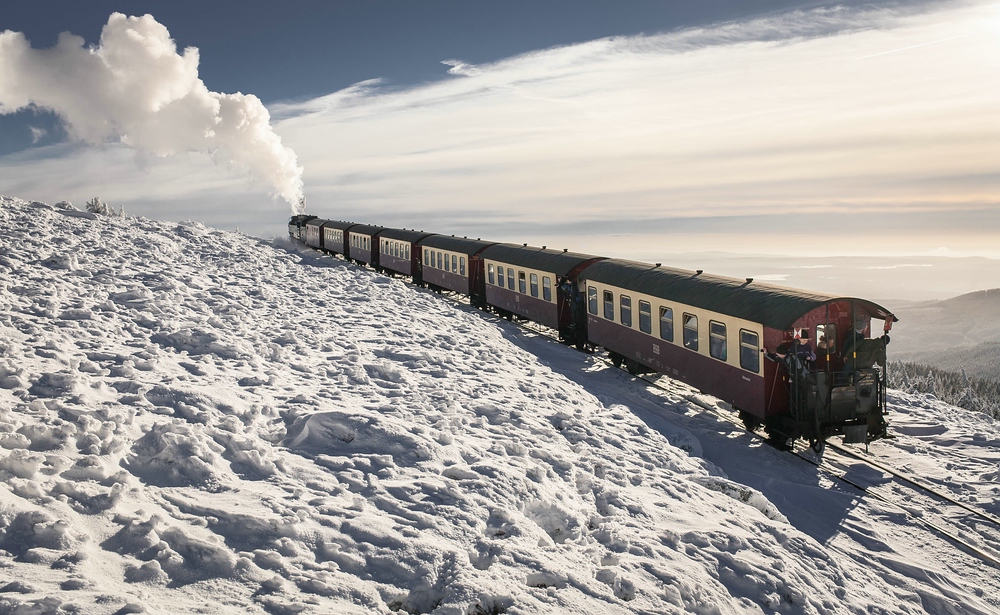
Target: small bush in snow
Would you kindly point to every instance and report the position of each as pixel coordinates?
(97, 206)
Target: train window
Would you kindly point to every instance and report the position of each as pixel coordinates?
(592, 300)
(690, 331)
(407, 246)
(447, 263)
(609, 305)
(534, 285)
(645, 317)
(546, 288)
(510, 278)
(500, 276)
(491, 274)
(666, 324)
(749, 351)
(717, 340)
(440, 266)
(626, 310)
(395, 249)
(522, 283)
(461, 262)
(427, 255)
(454, 264)
(826, 339)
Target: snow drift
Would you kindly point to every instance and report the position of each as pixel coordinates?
(198, 421)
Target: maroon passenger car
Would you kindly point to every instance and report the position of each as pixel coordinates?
(399, 251)
(453, 263)
(314, 232)
(535, 283)
(712, 332)
(333, 236)
(362, 240)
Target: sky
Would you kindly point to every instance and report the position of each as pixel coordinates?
(759, 127)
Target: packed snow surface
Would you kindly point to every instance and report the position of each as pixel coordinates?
(197, 421)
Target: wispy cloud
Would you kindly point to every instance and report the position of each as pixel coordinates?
(769, 116)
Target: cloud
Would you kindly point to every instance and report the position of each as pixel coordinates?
(772, 115)
(37, 133)
(462, 69)
(136, 88)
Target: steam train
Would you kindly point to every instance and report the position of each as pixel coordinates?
(747, 343)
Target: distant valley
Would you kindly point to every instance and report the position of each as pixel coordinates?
(958, 333)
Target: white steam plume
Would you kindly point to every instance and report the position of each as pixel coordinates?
(135, 87)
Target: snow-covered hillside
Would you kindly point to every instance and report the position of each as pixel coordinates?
(196, 421)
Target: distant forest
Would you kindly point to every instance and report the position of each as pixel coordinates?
(955, 388)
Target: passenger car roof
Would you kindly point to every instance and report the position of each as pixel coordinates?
(338, 224)
(365, 229)
(773, 306)
(455, 244)
(555, 261)
(403, 234)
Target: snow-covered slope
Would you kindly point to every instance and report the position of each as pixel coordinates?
(196, 421)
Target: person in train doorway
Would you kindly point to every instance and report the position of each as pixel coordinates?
(804, 350)
(856, 335)
(788, 356)
(860, 352)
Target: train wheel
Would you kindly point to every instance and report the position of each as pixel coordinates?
(632, 367)
(749, 421)
(818, 446)
(778, 440)
(616, 359)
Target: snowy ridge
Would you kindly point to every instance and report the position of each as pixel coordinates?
(194, 420)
